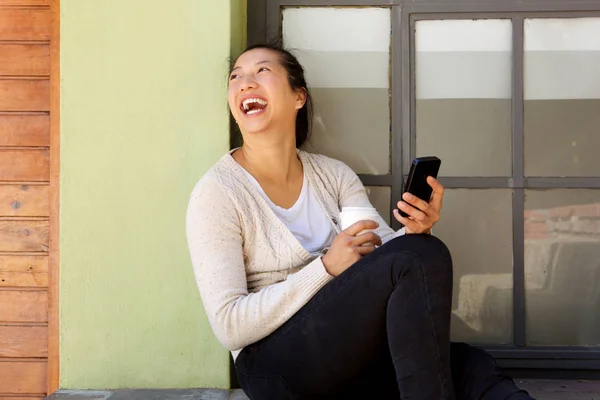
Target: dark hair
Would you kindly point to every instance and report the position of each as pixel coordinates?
(297, 81)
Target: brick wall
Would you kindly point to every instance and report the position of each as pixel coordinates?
(581, 219)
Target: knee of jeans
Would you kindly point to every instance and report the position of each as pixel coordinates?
(427, 248)
(427, 243)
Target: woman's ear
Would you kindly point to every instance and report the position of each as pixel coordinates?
(301, 98)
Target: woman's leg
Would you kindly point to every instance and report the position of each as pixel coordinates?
(395, 300)
(477, 376)
(378, 382)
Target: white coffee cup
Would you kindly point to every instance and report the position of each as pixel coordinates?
(351, 215)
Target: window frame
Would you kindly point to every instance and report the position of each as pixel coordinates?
(265, 25)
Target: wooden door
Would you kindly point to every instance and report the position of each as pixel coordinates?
(26, 52)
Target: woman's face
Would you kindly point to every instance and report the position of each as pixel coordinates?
(260, 96)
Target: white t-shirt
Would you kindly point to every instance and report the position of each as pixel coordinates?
(305, 219)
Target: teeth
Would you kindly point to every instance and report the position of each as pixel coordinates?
(246, 102)
(251, 112)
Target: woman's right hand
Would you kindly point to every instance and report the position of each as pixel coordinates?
(348, 247)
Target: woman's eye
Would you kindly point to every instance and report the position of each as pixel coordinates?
(263, 69)
(233, 76)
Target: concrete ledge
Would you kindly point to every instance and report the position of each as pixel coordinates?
(539, 389)
(149, 394)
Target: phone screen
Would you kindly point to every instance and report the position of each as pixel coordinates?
(416, 184)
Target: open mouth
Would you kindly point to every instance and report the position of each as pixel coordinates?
(253, 106)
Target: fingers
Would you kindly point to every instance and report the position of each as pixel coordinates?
(415, 214)
(360, 226)
(365, 249)
(415, 202)
(410, 224)
(438, 192)
(421, 210)
(413, 226)
(367, 237)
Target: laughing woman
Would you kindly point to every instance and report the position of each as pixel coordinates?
(310, 311)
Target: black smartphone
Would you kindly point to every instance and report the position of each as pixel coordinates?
(416, 184)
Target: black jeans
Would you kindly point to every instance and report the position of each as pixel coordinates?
(380, 330)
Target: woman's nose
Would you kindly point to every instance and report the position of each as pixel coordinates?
(248, 83)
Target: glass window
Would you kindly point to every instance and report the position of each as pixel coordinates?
(476, 225)
(562, 97)
(562, 266)
(463, 95)
(346, 55)
(380, 197)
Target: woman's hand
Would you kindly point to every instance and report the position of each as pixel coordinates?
(422, 218)
(348, 247)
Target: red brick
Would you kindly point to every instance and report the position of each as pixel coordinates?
(587, 210)
(537, 215)
(536, 227)
(561, 212)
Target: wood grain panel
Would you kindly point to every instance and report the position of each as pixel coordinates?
(24, 130)
(5, 397)
(54, 253)
(23, 306)
(24, 94)
(24, 200)
(24, 59)
(23, 341)
(22, 377)
(23, 271)
(24, 3)
(24, 165)
(23, 235)
(24, 24)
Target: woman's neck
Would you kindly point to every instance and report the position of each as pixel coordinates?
(278, 163)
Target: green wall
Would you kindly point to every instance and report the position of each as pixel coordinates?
(143, 115)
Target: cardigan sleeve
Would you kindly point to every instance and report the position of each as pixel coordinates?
(237, 317)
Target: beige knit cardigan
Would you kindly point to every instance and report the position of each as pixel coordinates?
(251, 271)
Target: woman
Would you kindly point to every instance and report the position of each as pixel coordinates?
(307, 310)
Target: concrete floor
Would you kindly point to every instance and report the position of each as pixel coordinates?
(144, 394)
(539, 389)
(561, 389)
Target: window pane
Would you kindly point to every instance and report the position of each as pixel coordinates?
(345, 52)
(463, 95)
(381, 199)
(562, 97)
(562, 266)
(476, 225)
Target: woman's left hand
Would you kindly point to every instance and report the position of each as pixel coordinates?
(422, 218)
